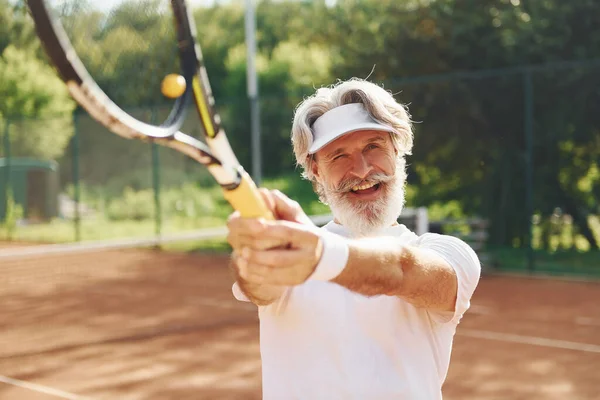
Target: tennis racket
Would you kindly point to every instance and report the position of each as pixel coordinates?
(176, 45)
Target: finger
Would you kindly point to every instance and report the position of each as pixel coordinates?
(297, 235)
(245, 226)
(278, 259)
(237, 242)
(261, 274)
(276, 276)
(233, 215)
(236, 226)
(289, 209)
(275, 267)
(263, 243)
(250, 272)
(285, 277)
(284, 207)
(261, 235)
(268, 198)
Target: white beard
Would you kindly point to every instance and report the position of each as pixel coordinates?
(366, 218)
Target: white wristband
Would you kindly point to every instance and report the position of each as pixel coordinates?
(334, 257)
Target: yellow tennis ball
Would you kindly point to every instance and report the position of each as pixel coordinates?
(173, 86)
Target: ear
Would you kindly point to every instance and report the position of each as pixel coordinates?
(393, 145)
(314, 167)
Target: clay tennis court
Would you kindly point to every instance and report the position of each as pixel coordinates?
(146, 324)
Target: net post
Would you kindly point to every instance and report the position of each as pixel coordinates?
(252, 82)
(75, 173)
(7, 178)
(422, 223)
(528, 100)
(156, 181)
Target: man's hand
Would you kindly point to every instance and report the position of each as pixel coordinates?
(282, 252)
(274, 252)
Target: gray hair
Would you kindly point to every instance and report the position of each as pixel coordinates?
(379, 102)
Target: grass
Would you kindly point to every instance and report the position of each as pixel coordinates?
(213, 214)
(63, 231)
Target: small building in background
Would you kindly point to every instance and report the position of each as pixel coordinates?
(35, 187)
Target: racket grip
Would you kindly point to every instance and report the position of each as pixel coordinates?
(247, 199)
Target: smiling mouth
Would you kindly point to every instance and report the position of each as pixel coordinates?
(365, 188)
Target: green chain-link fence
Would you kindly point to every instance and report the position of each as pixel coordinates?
(516, 149)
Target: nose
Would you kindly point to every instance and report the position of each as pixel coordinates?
(361, 167)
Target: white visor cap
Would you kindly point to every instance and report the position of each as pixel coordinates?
(340, 121)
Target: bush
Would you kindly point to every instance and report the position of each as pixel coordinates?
(134, 205)
(14, 212)
(187, 201)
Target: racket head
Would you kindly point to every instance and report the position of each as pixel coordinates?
(216, 154)
(92, 96)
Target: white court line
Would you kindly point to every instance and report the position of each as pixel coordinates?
(588, 321)
(536, 341)
(41, 388)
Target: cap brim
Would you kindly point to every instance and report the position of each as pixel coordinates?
(323, 141)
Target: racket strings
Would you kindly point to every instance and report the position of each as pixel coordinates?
(127, 48)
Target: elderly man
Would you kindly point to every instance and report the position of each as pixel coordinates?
(362, 308)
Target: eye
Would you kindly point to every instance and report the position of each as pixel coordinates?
(337, 157)
(372, 146)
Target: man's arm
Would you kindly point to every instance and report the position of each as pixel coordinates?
(287, 252)
(384, 266)
(427, 273)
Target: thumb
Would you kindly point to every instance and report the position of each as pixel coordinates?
(268, 198)
(288, 209)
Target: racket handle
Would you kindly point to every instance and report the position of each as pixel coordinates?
(247, 199)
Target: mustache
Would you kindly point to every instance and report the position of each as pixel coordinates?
(347, 185)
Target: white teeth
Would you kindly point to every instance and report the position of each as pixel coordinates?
(363, 186)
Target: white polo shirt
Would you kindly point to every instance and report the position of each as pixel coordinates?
(331, 343)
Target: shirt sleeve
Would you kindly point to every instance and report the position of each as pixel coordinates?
(465, 263)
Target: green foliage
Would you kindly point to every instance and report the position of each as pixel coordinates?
(300, 190)
(6, 24)
(284, 79)
(132, 206)
(30, 89)
(16, 27)
(188, 201)
(572, 262)
(192, 202)
(469, 140)
(131, 213)
(14, 213)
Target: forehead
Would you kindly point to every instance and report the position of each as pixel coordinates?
(356, 139)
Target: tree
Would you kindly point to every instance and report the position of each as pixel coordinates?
(284, 79)
(469, 130)
(16, 27)
(38, 104)
(469, 141)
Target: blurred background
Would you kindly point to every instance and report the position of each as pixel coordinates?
(505, 95)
